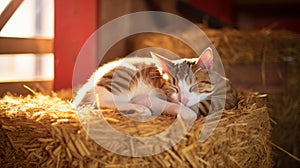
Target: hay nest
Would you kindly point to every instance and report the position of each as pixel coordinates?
(44, 131)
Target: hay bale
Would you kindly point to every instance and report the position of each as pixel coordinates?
(44, 131)
(234, 46)
(259, 50)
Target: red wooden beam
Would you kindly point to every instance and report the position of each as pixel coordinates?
(75, 21)
(220, 9)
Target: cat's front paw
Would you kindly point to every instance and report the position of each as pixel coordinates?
(188, 114)
(137, 110)
(143, 111)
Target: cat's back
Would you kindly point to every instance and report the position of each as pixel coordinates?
(127, 73)
(129, 63)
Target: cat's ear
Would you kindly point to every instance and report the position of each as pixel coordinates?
(205, 60)
(161, 62)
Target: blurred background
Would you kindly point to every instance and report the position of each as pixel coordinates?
(31, 23)
(34, 20)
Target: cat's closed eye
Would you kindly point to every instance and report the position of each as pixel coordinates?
(194, 87)
(175, 89)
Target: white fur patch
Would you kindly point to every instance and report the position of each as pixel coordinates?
(192, 97)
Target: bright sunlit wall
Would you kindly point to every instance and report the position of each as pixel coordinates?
(34, 18)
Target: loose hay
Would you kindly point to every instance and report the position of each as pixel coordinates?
(44, 131)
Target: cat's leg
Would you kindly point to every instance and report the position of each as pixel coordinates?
(127, 108)
(158, 105)
(121, 103)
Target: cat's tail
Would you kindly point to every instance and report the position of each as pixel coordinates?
(85, 96)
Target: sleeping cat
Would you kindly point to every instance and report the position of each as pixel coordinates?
(149, 86)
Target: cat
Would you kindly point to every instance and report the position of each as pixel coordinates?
(149, 86)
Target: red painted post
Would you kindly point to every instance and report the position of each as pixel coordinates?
(220, 9)
(75, 21)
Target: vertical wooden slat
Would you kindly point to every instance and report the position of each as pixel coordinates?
(9, 11)
(75, 21)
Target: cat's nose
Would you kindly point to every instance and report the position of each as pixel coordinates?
(184, 100)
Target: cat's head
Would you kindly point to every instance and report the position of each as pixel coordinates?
(186, 80)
